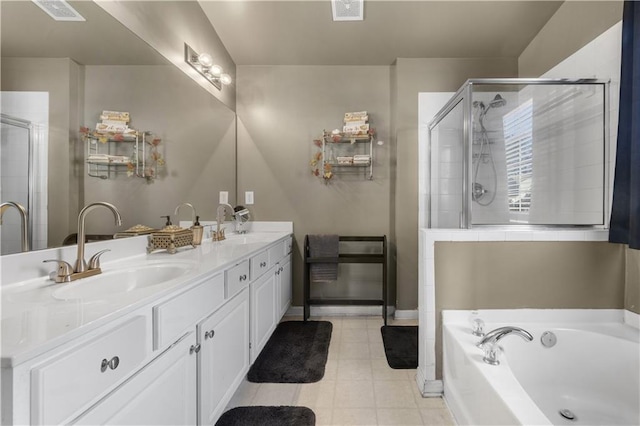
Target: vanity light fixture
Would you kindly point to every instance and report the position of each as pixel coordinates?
(203, 63)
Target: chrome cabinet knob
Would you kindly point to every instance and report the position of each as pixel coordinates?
(209, 334)
(194, 348)
(113, 363)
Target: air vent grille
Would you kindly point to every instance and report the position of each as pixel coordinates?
(347, 10)
(59, 10)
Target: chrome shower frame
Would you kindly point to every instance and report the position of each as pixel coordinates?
(464, 94)
(29, 127)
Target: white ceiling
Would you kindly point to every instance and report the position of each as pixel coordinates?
(303, 32)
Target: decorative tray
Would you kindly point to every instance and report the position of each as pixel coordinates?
(170, 238)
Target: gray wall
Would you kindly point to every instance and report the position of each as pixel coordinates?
(198, 144)
(510, 275)
(411, 77)
(574, 25)
(63, 79)
(167, 25)
(281, 110)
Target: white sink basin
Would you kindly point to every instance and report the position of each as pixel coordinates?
(120, 281)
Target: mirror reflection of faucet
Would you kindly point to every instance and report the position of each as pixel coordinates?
(221, 216)
(196, 227)
(23, 220)
(65, 272)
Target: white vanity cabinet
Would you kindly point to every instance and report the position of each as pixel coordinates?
(223, 359)
(176, 359)
(270, 295)
(283, 285)
(162, 393)
(263, 311)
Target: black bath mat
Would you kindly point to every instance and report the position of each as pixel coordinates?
(400, 346)
(268, 416)
(295, 353)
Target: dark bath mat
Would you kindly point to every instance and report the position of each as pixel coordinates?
(401, 346)
(268, 416)
(295, 353)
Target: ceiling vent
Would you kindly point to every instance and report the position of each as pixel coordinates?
(347, 10)
(59, 10)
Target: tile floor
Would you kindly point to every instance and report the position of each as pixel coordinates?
(358, 387)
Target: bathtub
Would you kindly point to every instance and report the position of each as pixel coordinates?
(589, 377)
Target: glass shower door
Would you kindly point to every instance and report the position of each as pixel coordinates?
(447, 170)
(15, 163)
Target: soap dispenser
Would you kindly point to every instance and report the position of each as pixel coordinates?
(197, 231)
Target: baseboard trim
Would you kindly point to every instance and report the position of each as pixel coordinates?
(335, 311)
(402, 314)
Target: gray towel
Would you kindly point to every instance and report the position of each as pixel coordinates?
(324, 246)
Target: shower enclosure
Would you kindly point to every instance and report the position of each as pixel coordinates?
(520, 151)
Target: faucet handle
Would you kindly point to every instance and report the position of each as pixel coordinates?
(63, 272)
(94, 262)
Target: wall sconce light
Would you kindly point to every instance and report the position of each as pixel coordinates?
(203, 63)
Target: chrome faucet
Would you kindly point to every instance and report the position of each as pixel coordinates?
(24, 221)
(489, 343)
(220, 218)
(65, 273)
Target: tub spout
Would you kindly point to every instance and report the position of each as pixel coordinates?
(489, 343)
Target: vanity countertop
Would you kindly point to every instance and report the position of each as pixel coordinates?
(38, 314)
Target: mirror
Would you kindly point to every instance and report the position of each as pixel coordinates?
(68, 73)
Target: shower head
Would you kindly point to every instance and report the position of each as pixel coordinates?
(498, 101)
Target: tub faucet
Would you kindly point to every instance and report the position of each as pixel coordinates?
(24, 221)
(489, 343)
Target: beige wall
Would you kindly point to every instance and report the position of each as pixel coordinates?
(411, 77)
(574, 25)
(632, 285)
(166, 26)
(198, 145)
(63, 79)
(281, 110)
(510, 275)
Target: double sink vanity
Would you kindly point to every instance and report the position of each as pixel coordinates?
(155, 339)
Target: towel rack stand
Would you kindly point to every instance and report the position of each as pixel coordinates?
(380, 258)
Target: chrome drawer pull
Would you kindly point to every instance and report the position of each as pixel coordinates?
(209, 334)
(194, 348)
(263, 264)
(112, 364)
(243, 277)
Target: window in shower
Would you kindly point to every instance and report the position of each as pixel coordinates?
(518, 139)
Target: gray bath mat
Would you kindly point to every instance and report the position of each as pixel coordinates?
(401, 346)
(295, 353)
(268, 416)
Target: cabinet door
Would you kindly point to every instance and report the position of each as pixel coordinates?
(224, 356)
(263, 311)
(161, 393)
(284, 286)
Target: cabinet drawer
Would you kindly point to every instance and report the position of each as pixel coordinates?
(173, 317)
(236, 279)
(276, 253)
(259, 264)
(69, 382)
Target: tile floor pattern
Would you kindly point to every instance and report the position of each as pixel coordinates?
(358, 387)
